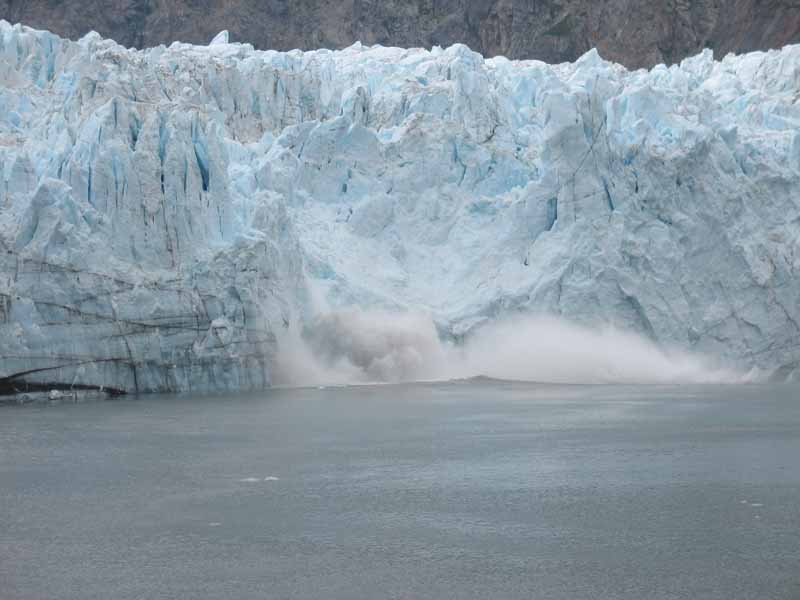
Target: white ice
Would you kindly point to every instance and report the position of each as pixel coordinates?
(168, 215)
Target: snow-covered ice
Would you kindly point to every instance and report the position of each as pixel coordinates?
(168, 215)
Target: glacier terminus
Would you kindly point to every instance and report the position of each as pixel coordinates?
(169, 216)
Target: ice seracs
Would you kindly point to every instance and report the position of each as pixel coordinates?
(165, 214)
(223, 37)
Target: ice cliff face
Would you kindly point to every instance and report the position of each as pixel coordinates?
(165, 214)
(132, 256)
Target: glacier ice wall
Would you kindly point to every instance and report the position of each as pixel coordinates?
(166, 213)
(129, 258)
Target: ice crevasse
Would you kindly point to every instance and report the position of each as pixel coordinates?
(166, 214)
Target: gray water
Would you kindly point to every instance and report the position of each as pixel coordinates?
(465, 490)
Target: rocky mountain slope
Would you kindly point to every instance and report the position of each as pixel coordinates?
(635, 33)
(167, 215)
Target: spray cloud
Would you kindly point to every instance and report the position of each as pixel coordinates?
(354, 346)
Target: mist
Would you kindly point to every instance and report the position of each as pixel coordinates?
(355, 346)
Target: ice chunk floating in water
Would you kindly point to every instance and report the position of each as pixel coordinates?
(170, 217)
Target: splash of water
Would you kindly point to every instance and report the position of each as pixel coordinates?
(357, 346)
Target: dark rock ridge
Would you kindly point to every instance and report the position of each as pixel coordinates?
(636, 33)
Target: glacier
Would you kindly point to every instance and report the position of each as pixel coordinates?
(167, 215)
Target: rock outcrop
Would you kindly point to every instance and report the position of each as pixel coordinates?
(636, 33)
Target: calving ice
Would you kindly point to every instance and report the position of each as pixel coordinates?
(170, 217)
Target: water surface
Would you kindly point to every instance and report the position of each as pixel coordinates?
(466, 490)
